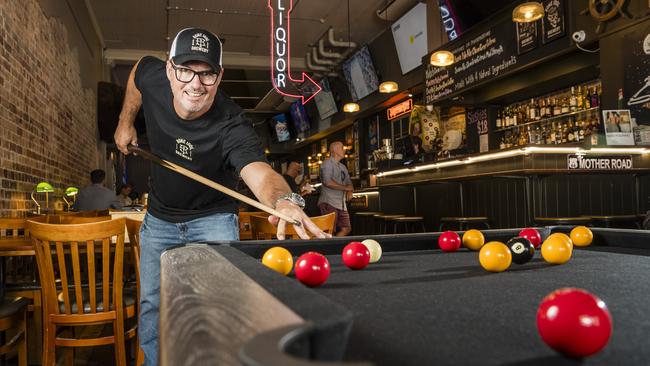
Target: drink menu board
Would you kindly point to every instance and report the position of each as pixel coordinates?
(483, 54)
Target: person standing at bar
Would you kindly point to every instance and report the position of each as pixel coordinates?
(337, 188)
(192, 123)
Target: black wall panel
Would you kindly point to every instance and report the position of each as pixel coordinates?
(593, 194)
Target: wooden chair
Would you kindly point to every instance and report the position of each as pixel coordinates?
(133, 228)
(96, 299)
(13, 315)
(245, 232)
(20, 277)
(263, 230)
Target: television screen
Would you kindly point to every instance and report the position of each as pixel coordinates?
(325, 102)
(360, 74)
(410, 36)
(300, 118)
(280, 127)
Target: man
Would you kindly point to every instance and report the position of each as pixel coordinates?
(293, 171)
(336, 189)
(95, 196)
(193, 124)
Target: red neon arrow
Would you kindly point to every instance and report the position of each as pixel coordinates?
(281, 52)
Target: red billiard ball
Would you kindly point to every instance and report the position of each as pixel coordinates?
(449, 241)
(312, 269)
(532, 235)
(574, 322)
(356, 255)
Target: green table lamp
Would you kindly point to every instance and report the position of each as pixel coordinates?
(70, 192)
(42, 187)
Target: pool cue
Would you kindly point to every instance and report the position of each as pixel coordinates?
(190, 174)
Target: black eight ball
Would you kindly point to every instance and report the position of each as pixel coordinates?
(522, 249)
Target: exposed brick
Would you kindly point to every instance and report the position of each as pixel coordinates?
(48, 128)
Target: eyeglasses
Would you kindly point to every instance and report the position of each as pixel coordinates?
(186, 75)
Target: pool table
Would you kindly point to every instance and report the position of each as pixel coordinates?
(416, 306)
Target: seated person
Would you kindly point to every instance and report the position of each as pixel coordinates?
(123, 195)
(95, 196)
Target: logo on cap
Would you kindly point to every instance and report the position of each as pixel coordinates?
(200, 43)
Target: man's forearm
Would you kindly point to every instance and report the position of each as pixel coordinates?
(264, 182)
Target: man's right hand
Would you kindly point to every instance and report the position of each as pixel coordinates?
(125, 134)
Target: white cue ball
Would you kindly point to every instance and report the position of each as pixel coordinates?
(374, 248)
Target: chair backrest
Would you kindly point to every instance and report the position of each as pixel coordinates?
(245, 232)
(13, 228)
(68, 219)
(133, 228)
(263, 230)
(59, 252)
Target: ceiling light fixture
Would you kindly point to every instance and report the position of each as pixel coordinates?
(350, 107)
(528, 12)
(388, 86)
(442, 58)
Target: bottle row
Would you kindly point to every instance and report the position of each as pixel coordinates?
(579, 98)
(553, 133)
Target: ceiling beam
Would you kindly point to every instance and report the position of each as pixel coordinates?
(230, 59)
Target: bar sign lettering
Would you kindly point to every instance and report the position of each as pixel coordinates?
(586, 162)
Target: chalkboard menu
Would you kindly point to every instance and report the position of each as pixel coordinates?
(477, 130)
(483, 54)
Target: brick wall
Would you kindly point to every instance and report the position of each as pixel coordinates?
(48, 128)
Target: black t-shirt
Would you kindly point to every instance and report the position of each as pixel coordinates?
(216, 145)
(291, 182)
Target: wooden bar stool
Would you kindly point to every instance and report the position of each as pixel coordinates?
(383, 221)
(576, 220)
(464, 222)
(410, 224)
(620, 221)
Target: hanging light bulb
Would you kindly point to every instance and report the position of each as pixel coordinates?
(388, 87)
(528, 12)
(442, 58)
(351, 108)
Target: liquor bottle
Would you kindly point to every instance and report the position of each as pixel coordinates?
(549, 108)
(573, 101)
(556, 107)
(588, 99)
(502, 144)
(581, 131)
(594, 132)
(499, 119)
(599, 94)
(565, 107)
(553, 134)
(546, 138)
(513, 116)
(594, 98)
(620, 99)
(570, 136)
(506, 117)
(522, 138)
(580, 99)
(533, 110)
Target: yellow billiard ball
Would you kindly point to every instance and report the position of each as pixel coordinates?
(495, 256)
(278, 259)
(473, 239)
(581, 236)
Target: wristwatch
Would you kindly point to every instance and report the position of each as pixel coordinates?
(294, 198)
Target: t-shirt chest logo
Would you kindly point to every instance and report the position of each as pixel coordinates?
(200, 43)
(184, 148)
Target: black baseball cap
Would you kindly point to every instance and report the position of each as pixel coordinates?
(196, 44)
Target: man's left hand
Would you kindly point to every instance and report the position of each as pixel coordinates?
(297, 213)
